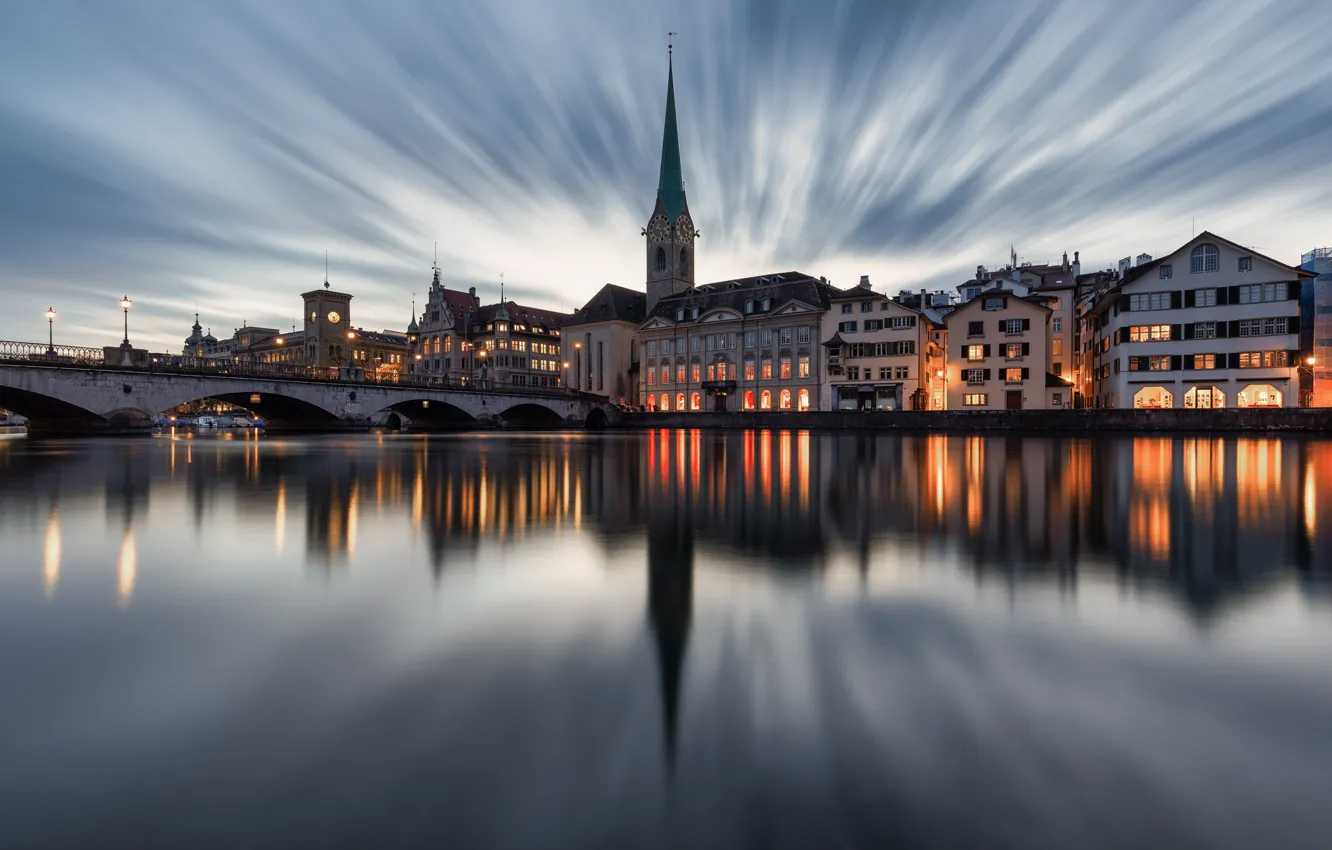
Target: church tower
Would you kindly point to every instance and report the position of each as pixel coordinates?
(670, 232)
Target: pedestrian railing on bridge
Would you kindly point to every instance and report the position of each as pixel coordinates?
(68, 356)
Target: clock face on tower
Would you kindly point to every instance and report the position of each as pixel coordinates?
(334, 317)
(314, 316)
(659, 229)
(684, 230)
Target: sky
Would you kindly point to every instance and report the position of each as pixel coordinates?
(206, 154)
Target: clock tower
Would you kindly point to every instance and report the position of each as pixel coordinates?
(327, 321)
(670, 231)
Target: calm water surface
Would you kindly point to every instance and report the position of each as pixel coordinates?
(665, 640)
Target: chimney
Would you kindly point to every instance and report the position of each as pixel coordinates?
(864, 281)
(1077, 265)
(1065, 265)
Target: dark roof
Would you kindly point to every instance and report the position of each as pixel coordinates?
(1033, 300)
(781, 287)
(1053, 380)
(534, 317)
(612, 303)
(836, 340)
(381, 338)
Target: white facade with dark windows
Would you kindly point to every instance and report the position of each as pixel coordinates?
(1226, 333)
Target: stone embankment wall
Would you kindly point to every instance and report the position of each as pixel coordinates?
(1030, 421)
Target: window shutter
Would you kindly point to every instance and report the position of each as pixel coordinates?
(1000, 325)
(1233, 297)
(1188, 361)
(1293, 358)
(1233, 360)
(1222, 330)
(1176, 332)
(985, 374)
(1176, 300)
(1188, 331)
(1026, 324)
(1293, 291)
(1223, 295)
(964, 352)
(1116, 365)
(1026, 349)
(1117, 306)
(1176, 362)
(1026, 373)
(1119, 335)
(911, 321)
(1190, 298)
(985, 352)
(1293, 325)
(1233, 327)
(911, 346)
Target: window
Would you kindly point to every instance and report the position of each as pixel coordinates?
(1263, 360)
(847, 327)
(712, 342)
(873, 325)
(749, 368)
(802, 366)
(750, 336)
(853, 372)
(784, 400)
(1263, 327)
(975, 399)
(899, 322)
(696, 344)
(1167, 272)
(765, 338)
(993, 304)
(1013, 351)
(730, 371)
(1158, 363)
(1150, 301)
(784, 336)
(1056, 399)
(696, 373)
(802, 335)
(785, 367)
(885, 373)
(1013, 326)
(749, 399)
(749, 308)
(1057, 347)
(694, 401)
(652, 377)
(712, 372)
(975, 352)
(1254, 293)
(652, 348)
(661, 260)
(1204, 361)
(679, 401)
(1146, 333)
(665, 374)
(803, 403)
(1246, 264)
(847, 308)
(1012, 376)
(867, 306)
(1204, 330)
(1057, 324)
(767, 304)
(679, 373)
(975, 329)
(665, 347)
(1204, 258)
(767, 368)
(1204, 297)
(901, 373)
(765, 400)
(975, 376)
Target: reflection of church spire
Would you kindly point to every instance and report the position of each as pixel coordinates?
(670, 605)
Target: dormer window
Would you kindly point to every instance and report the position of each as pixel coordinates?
(1204, 259)
(693, 314)
(993, 303)
(679, 315)
(749, 306)
(767, 304)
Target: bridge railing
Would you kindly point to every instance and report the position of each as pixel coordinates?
(32, 353)
(37, 352)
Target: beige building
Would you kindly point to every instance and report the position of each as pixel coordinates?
(999, 355)
(748, 344)
(599, 347)
(880, 354)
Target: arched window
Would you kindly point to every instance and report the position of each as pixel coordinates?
(1153, 398)
(803, 404)
(749, 399)
(684, 262)
(1204, 259)
(665, 402)
(661, 259)
(765, 400)
(785, 400)
(1260, 395)
(694, 402)
(679, 401)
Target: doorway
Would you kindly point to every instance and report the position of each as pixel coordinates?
(1013, 400)
(719, 402)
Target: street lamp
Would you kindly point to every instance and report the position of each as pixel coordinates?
(125, 305)
(351, 334)
(578, 368)
(50, 330)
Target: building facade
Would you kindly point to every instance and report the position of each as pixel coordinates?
(1211, 325)
(1316, 305)
(998, 355)
(879, 354)
(599, 345)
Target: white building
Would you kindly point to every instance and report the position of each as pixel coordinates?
(1212, 324)
(881, 354)
(999, 354)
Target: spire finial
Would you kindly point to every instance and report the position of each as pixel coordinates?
(326, 268)
(670, 43)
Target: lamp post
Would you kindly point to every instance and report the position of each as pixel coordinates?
(578, 365)
(50, 330)
(566, 373)
(125, 307)
(1307, 396)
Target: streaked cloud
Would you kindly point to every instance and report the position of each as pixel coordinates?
(210, 152)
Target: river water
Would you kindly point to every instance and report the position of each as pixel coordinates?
(665, 639)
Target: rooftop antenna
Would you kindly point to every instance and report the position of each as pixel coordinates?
(326, 268)
(501, 287)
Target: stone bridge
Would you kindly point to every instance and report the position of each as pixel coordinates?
(62, 398)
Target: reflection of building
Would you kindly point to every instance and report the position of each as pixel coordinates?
(1212, 324)
(670, 565)
(1316, 307)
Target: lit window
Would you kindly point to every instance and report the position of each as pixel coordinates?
(975, 399)
(803, 366)
(694, 401)
(765, 400)
(785, 367)
(1012, 376)
(975, 352)
(784, 400)
(803, 403)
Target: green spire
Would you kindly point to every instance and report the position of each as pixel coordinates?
(670, 186)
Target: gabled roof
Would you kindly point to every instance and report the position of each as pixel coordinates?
(1034, 301)
(534, 317)
(1208, 236)
(781, 288)
(1053, 380)
(612, 304)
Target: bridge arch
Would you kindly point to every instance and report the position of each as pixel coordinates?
(430, 414)
(531, 414)
(47, 411)
(277, 409)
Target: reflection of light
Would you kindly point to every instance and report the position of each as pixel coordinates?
(1149, 527)
(1258, 481)
(127, 570)
(280, 521)
(784, 465)
(1309, 504)
(51, 554)
(1151, 463)
(802, 468)
(353, 515)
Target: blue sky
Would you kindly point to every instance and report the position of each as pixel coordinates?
(210, 152)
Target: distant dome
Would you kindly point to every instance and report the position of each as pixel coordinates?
(209, 336)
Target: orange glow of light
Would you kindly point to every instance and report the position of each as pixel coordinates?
(127, 570)
(765, 465)
(1258, 482)
(1152, 465)
(784, 465)
(802, 468)
(51, 554)
(280, 519)
(1310, 505)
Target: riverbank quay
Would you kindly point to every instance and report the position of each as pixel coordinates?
(1251, 420)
